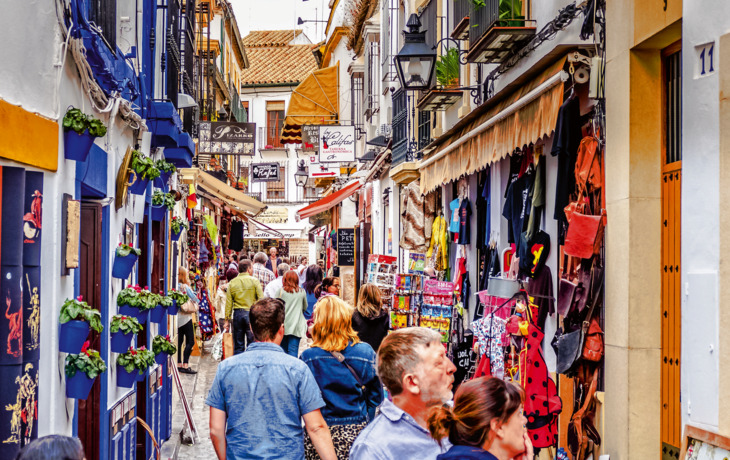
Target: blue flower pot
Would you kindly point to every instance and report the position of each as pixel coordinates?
(142, 316)
(120, 342)
(158, 213)
(72, 336)
(125, 379)
(176, 236)
(172, 310)
(78, 386)
(77, 146)
(157, 314)
(123, 266)
(139, 186)
(162, 180)
(161, 358)
(140, 377)
(127, 310)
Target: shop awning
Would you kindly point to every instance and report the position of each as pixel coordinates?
(522, 117)
(329, 201)
(313, 102)
(236, 199)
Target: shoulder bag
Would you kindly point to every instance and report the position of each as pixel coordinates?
(189, 306)
(570, 345)
(341, 358)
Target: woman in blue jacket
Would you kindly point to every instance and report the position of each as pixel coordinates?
(344, 369)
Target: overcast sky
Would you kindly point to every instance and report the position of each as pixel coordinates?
(280, 15)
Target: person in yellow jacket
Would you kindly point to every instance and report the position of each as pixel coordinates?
(439, 243)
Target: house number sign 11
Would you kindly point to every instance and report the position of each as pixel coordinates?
(705, 59)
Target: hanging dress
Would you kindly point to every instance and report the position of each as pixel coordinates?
(205, 315)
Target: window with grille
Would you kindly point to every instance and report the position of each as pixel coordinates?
(673, 107)
(277, 190)
(243, 179)
(356, 107)
(400, 126)
(311, 192)
(424, 129)
(372, 80)
(274, 123)
(103, 13)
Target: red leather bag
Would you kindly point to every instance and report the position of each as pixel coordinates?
(593, 344)
(585, 235)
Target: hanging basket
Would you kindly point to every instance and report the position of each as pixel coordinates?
(125, 379)
(123, 266)
(79, 386)
(77, 146)
(172, 309)
(127, 310)
(140, 377)
(161, 358)
(142, 316)
(72, 336)
(158, 213)
(157, 314)
(139, 186)
(120, 342)
(161, 181)
(176, 236)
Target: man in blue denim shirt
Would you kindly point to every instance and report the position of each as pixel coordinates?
(259, 398)
(413, 366)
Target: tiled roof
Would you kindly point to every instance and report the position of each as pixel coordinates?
(280, 64)
(270, 37)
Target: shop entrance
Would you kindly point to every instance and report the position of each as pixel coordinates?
(671, 418)
(90, 289)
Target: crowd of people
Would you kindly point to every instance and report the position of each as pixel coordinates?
(355, 391)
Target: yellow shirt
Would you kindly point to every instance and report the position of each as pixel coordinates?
(243, 291)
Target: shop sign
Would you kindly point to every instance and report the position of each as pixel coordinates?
(321, 219)
(264, 235)
(319, 170)
(265, 172)
(227, 138)
(310, 138)
(274, 215)
(337, 144)
(346, 247)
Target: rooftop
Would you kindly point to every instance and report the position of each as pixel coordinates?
(270, 38)
(273, 60)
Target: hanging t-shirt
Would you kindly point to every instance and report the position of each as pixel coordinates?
(464, 222)
(454, 225)
(515, 164)
(235, 242)
(538, 201)
(565, 146)
(517, 206)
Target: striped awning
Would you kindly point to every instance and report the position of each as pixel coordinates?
(329, 201)
(314, 102)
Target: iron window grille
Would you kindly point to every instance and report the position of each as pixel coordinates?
(372, 80)
(276, 191)
(400, 126)
(103, 13)
(356, 107)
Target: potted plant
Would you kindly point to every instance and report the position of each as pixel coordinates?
(129, 300)
(132, 365)
(124, 259)
(122, 329)
(177, 225)
(144, 171)
(447, 69)
(162, 347)
(147, 301)
(80, 130)
(510, 13)
(161, 203)
(178, 299)
(166, 170)
(76, 319)
(158, 314)
(81, 370)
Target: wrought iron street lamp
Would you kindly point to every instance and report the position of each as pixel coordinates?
(301, 176)
(414, 63)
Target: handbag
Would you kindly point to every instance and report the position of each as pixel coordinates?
(593, 346)
(570, 345)
(189, 307)
(227, 345)
(585, 235)
(341, 358)
(566, 292)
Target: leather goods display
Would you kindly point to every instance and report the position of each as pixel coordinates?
(566, 292)
(593, 346)
(582, 427)
(570, 345)
(585, 235)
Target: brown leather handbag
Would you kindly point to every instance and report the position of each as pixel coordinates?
(593, 344)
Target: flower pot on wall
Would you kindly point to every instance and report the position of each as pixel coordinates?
(72, 336)
(161, 358)
(172, 309)
(175, 236)
(76, 146)
(79, 386)
(126, 310)
(158, 213)
(157, 314)
(126, 379)
(142, 316)
(123, 266)
(139, 186)
(120, 342)
(140, 377)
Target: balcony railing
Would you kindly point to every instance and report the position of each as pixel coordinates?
(461, 19)
(237, 109)
(270, 138)
(494, 36)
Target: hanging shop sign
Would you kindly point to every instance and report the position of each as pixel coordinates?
(337, 144)
(346, 247)
(319, 170)
(274, 215)
(321, 219)
(266, 235)
(310, 138)
(265, 172)
(227, 138)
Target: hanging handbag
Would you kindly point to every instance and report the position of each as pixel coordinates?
(566, 292)
(593, 346)
(585, 235)
(570, 345)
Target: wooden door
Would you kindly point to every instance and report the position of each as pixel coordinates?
(90, 289)
(671, 302)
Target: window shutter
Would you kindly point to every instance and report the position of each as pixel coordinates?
(272, 106)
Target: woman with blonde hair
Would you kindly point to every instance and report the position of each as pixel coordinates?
(486, 423)
(344, 368)
(185, 329)
(369, 319)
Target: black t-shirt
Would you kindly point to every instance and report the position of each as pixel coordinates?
(517, 206)
(565, 146)
(464, 221)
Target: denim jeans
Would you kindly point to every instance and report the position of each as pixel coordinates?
(241, 330)
(290, 344)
